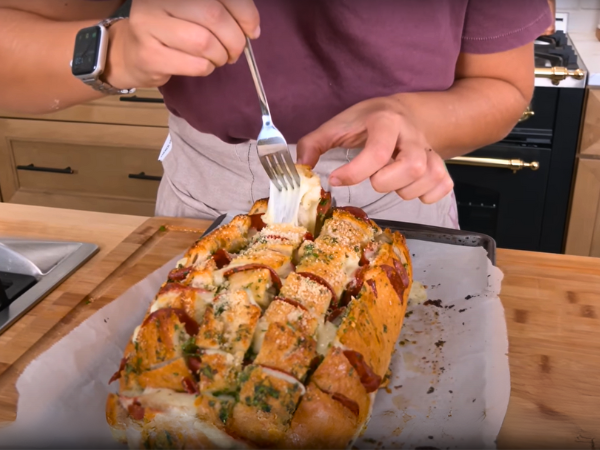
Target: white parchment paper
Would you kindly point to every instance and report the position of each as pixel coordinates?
(450, 384)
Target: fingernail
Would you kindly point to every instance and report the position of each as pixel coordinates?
(335, 181)
(256, 32)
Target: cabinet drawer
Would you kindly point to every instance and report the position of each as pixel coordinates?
(91, 169)
(81, 166)
(144, 108)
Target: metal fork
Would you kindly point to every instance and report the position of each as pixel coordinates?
(273, 151)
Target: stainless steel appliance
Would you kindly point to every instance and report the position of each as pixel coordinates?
(30, 270)
(518, 190)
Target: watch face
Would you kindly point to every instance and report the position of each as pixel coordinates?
(87, 47)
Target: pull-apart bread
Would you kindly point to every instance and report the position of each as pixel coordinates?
(267, 334)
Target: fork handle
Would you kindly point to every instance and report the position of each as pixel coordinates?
(264, 106)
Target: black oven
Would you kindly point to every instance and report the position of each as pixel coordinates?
(518, 190)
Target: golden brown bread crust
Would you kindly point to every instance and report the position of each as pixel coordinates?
(320, 422)
(288, 349)
(266, 338)
(266, 406)
(117, 418)
(336, 375)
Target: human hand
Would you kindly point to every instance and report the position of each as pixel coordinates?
(396, 155)
(178, 37)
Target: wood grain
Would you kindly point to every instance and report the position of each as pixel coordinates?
(552, 306)
(583, 236)
(590, 134)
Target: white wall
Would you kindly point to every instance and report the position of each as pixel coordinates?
(584, 15)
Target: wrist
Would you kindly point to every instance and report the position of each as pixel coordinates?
(115, 71)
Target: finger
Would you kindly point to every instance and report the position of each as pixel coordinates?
(152, 62)
(433, 174)
(310, 148)
(439, 192)
(409, 166)
(192, 39)
(212, 15)
(246, 15)
(382, 139)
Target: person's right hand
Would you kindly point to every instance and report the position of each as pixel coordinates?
(177, 37)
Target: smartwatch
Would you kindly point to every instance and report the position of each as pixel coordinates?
(89, 57)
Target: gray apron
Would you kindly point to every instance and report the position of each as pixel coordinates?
(205, 177)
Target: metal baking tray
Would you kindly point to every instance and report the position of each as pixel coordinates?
(418, 232)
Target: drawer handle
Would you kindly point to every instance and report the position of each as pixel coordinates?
(136, 99)
(143, 176)
(66, 170)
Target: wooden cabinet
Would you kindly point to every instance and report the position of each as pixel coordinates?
(101, 156)
(583, 235)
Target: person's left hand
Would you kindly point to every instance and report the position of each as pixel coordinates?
(396, 155)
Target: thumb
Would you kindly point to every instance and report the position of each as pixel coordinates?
(310, 148)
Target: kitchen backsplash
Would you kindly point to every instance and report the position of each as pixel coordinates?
(583, 14)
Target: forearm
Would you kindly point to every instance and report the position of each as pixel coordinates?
(35, 76)
(473, 113)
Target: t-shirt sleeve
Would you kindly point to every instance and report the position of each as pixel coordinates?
(493, 26)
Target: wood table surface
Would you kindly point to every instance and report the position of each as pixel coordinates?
(552, 308)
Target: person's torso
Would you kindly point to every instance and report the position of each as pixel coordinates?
(317, 58)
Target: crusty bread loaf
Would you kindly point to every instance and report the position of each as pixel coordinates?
(265, 336)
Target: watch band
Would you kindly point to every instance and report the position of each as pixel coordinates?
(95, 82)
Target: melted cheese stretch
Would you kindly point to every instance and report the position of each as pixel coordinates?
(295, 206)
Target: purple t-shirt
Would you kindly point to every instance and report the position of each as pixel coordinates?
(319, 57)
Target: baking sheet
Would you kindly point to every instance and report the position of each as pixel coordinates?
(450, 386)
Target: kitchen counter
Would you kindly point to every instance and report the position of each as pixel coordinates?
(588, 48)
(552, 307)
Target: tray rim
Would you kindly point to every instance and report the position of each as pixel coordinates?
(419, 232)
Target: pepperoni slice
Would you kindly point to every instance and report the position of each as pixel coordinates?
(324, 203)
(348, 403)
(395, 280)
(117, 374)
(321, 281)
(373, 287)
(136, 410)
(289, 301)
(274, 277)
(191, 326)
(221, 258)
(369, 379)
(189, 385)
(402, 272)
(353, 287)
(323, 210)
(179, 274)
(356, 212)
(194, 363)
(257, 222)
(336, 313)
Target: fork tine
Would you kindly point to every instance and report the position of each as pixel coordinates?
(272, 176)
(291, 167)
(278, 170)
(282, 163)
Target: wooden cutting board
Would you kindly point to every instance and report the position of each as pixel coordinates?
(146, 249)
(552, 307)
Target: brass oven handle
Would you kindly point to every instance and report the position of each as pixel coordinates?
(557, 74)
(512, 164)
(527, 114)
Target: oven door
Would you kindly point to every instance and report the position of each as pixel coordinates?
(505, 204)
